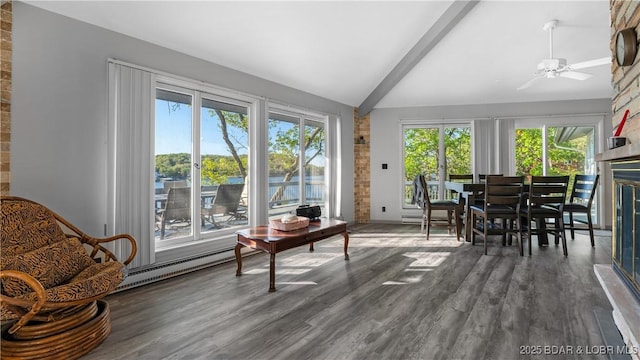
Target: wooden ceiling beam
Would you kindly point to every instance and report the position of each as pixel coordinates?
(449, 19)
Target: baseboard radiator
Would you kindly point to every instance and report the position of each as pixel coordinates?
(157, 272)
(411, 220)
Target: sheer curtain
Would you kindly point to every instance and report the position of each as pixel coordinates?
(131, 167)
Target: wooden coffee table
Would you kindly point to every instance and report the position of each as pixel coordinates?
(274, 241)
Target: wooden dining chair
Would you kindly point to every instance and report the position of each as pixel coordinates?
(461, 198)
(464, 178)
(482, 177)
(546, 201)
(502, 199)
(453, 209)
(580, 201)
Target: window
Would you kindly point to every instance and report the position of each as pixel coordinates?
(296, 145)
(199, 185)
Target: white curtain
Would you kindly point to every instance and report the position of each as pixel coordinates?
(485, 146)
(131, 172)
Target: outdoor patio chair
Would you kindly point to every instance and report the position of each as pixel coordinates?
(226, 202)
(177, 209)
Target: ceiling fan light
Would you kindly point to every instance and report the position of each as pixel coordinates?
(552, 64)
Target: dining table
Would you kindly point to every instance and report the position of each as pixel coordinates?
(468, 191)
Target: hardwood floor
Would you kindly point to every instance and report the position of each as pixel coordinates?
(398, 297)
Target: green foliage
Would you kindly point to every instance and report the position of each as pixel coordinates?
(217, 169)
(175, 166)
(284, 149)
(528, 151)
(457, 143)
(566, 158)
(421, 151)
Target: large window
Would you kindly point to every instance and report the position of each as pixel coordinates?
(435, 151)
(199, 185)
(190, 163)
(296, 145)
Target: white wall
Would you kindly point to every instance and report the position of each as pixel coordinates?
(386, 143)
(59, 109)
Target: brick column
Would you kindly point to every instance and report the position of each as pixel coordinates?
(362, 168)
(6, 50)
(626, 80)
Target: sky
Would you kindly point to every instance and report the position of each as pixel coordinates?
(173, 131)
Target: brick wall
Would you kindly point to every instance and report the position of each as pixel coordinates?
(5, 95)
(626, 80)
(362, 168)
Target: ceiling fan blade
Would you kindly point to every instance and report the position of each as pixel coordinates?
(590, 63)
(575, 75)
(529, 83)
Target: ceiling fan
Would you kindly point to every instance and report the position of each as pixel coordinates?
(552, 68)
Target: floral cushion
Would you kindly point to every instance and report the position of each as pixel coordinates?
(25, 226)
(98, 279)
(51, 265)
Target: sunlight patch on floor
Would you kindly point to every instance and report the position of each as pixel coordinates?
(394, 283)
(279, 271)
(422, 270)
(427, 259)
(254, 271)
(308, 259)
(292, 271)
(296, 283)
(390, 241)
(404, 280)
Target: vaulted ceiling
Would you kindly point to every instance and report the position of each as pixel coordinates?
(344, 50)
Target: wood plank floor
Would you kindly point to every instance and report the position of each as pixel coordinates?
(398, 297)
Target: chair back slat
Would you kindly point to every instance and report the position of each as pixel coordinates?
(461, 177)
(503, 190)
(546, 190)
(483, 177)
(584, 188)
(581, 195)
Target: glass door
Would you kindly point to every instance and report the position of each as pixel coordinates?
(201, 161)
(556, 150)
(435, 151)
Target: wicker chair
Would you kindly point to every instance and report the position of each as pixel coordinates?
(51, 285)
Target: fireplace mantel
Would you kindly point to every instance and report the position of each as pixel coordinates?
(627, 152)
